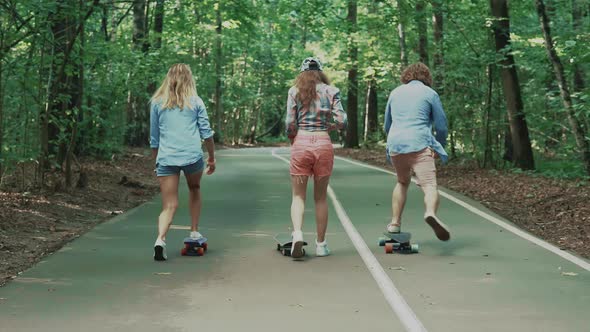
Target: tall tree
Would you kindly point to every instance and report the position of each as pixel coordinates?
(218, 72)
(519, 133)
(371, 122)
(577, 128)
(401, 30)
(352, 139)
(137, 102)
(578, 13)
(159, 23)
(438, 63)
(422, 26)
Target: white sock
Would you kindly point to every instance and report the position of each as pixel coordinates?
(160, 243)
(321, 243)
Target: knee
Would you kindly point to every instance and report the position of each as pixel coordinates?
(403, 183)
(319, 198)
(171, 206)
(194, 187)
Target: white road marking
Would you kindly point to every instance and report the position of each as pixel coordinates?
(564, 254)
(401, 308)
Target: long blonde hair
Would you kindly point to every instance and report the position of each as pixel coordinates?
(178, 88)
(306, 85)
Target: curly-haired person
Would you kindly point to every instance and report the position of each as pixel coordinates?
(413, 109)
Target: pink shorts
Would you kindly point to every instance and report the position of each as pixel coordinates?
(421, 163)
(312, 155)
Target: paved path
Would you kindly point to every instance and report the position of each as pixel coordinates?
(485, 279)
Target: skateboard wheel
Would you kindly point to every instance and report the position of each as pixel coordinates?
(389, 248)
(183, 251)
(205, 246)
(415, 248)
(200, 251)
(382, 241)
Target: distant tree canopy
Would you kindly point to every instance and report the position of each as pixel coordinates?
(76, 75)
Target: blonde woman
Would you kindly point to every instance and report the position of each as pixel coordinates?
(313, 109)
(412, 111)
(178, 123)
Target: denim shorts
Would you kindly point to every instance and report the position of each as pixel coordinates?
(196, 167)
(312, 155)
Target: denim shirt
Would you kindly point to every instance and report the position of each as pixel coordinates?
(411, 112)
(177, 133)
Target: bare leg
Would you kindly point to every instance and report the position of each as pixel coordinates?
(299, 184)
(320, 189)
(169, 190)
(398, 201)
(431, 200)
(194, 201)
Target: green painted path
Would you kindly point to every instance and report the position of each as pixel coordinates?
(485, 279)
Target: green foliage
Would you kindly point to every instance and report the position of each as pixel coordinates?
(263, 45)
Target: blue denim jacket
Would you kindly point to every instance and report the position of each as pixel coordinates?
(177, 133)
(412, 110)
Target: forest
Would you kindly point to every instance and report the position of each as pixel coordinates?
(76, 76)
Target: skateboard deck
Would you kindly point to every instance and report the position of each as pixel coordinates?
(194, 247)
(398, 242)
(284, 243)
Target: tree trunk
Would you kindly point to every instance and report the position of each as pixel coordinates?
(77, 95)
(577, 128)
(438, 65)
(352, 140)
(137, 130)
(422, 26)
(139, 24)
(522, 151)
(159, 23)
(487, 156)
(371, 112)
(402, 32)
(1, 114)
(578, 15)
(218, 74)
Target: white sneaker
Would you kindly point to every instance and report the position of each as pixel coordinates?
(160, 250)
(297, 244)
(391, 228)
(321, 248)
(440, 229)
(196, 235)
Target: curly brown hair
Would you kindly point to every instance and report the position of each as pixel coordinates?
(306, 82)
(417, 71)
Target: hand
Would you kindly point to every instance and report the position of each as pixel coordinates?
(433, 154)
(210, 166)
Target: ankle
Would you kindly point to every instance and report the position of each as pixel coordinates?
(321, 243)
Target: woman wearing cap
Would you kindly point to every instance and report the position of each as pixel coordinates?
(412, 110)
(313, 109)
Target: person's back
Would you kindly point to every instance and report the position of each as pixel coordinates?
(412, 109)
(180, 132)
(323, 114)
